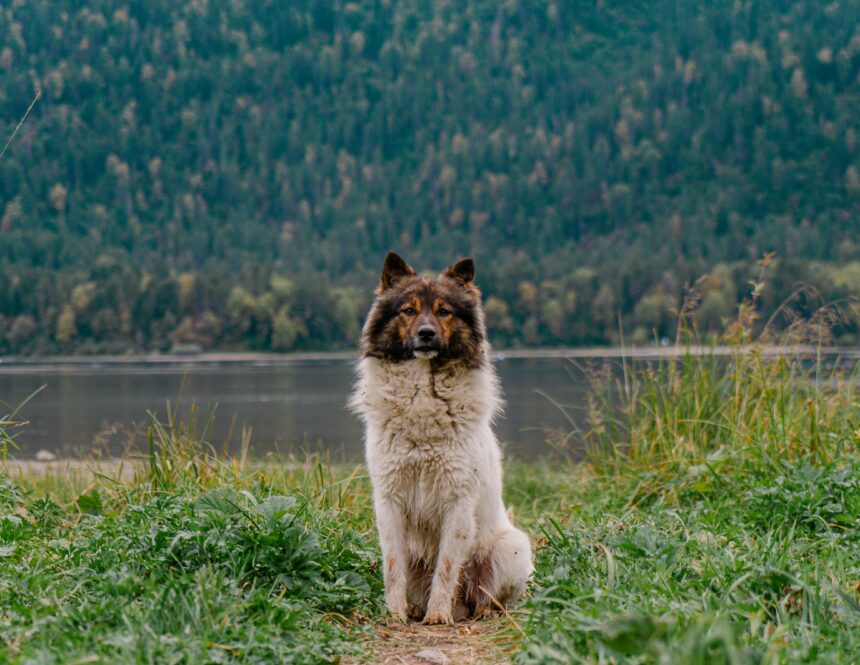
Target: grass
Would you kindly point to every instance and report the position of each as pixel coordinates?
(281, 565)
(716, 518)
(10, 426)
(713, 520)
(764, 571)
(230, 571)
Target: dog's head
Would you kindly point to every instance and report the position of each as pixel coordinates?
(440, 319)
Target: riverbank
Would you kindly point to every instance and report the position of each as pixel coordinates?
(74, 472)
(219, 359)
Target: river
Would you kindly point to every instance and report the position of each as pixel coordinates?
(289, 405)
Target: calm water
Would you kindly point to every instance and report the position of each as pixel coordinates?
(289, 407)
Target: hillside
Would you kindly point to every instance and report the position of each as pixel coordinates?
(232, 173)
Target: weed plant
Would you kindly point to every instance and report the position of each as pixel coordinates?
(719, 518)
(763, 398)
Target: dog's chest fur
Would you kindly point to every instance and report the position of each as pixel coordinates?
(426, 431)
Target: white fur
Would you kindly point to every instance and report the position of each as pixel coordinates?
(435, 466)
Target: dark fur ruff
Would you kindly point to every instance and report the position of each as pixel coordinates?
(461, 334)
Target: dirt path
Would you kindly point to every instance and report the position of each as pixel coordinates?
(470, 643)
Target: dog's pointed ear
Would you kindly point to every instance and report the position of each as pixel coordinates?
(393, 271)
(462, 271)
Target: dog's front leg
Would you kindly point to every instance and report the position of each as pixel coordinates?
(392, 538)
(457, 528)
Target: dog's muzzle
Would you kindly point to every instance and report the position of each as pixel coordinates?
(426, 343)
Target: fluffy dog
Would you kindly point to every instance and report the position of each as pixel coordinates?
(428, 393)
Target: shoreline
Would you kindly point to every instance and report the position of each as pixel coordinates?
(116, 468)
(124, 468)
(222, 359)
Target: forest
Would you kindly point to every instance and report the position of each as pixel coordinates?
(230, 175)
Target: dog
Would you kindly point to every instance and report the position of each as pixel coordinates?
(427, 393)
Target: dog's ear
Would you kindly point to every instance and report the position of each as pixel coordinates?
(462, 271)
(393, 271)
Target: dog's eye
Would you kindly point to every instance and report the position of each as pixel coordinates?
(443, 312)
(409, 311)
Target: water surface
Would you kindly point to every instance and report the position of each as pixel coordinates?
(288, 406)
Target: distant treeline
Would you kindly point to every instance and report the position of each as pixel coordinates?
(231, 174)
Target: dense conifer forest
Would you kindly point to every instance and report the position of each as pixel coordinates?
(231, 174)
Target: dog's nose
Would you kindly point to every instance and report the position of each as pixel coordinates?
(426, 333)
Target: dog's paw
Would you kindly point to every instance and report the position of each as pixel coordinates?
(415, 612)
(486, 612)
(398, 616)
(460, 612)
(397, 608)
(438, 618)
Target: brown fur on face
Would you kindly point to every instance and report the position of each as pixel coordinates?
(406, 303)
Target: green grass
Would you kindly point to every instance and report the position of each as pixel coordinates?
(764, 571)
(281, 565)
(723, 520)
(235, 572)
(714, 520)
(716, 517)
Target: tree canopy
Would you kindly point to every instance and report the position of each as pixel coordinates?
(232, 173)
